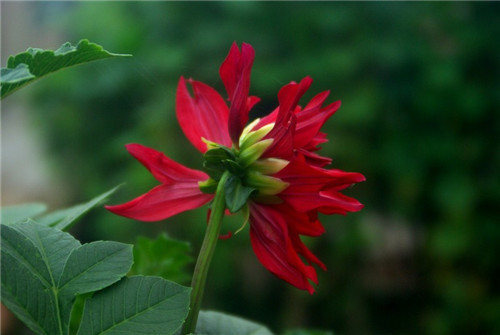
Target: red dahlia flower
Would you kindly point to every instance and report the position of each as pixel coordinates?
(276, 176)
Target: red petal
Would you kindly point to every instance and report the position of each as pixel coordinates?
(313, 188)
(301, 248)
(310, 121)
(303, 176)
(285, 120)
(289, 97)
(164, 169)
(275, 249)
(324, 202)
(163, 201)
(282, 146)
(302, 223)
(337, 203)
(314, 159)
(235, 73)
(206, 115)
(269, 118)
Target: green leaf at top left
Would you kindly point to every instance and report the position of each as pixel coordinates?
(36, 63)
(19, 74)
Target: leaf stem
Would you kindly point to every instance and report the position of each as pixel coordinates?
(205, 256)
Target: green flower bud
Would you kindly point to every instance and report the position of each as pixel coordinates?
(208, 186)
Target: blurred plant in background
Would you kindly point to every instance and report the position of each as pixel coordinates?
(419, 84)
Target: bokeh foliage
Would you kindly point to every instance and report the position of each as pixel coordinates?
(419, 84)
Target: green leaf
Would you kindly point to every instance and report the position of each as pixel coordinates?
(19, 74)
(163, 257)
(35, 63)
(26, 295)
(53, 245)
(77, 312)
(21, 212)
(215, 323)
(63, 219)
(214, 161)
(94, 266)
(208, 186)
(153, 306)
(233, 167)
(44, 268)
(33, 257)
(236, 193)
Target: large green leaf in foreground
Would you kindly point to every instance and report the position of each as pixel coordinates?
(35, 63)
(44, 268)
(136, 305)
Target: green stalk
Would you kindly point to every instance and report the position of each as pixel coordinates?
(205, 256)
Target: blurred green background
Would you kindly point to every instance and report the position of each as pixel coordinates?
(420, 91)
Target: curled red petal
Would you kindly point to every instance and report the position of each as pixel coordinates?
(310, 120)
(313, 188)
(301, 175)
(289, 96)
(302, 249)
(303, 223)
(275, 249)
(282, 135)
(313, 158)
(283, 131)
(163, 201)
(332, 202)
(269, 118)
(205, 115)
(164, 169)
(235, 73)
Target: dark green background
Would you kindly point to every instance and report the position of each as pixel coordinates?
(420, 91)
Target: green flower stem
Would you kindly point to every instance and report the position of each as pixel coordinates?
(205, 256)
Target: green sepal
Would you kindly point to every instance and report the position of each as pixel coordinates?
(236, 193)
(213, 164)
(233, 167)
(208, 186)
